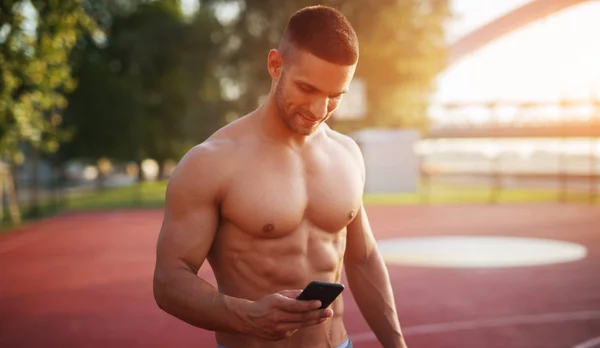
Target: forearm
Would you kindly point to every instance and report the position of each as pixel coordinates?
(186, 296)
(370, 285)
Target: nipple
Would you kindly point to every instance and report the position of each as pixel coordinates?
(268, 228)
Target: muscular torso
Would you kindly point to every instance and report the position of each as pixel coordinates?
(283, 218)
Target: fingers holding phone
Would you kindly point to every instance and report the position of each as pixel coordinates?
(280, 315)
(324, 292)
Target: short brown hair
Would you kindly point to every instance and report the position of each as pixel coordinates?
(324, 32)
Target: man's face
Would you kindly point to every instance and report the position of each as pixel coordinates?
(309, 90)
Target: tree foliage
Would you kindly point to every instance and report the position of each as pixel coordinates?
(136, 79)
(147, 88)
(400, 57)
(36, 39)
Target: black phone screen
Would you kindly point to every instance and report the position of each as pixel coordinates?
(322, 291)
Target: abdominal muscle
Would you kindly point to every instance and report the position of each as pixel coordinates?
(252, 266)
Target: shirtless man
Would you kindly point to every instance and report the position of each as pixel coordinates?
(274, 201)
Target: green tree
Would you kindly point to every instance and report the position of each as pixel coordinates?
(402, 52)
(101, 110)
(206, 108)
(149, 89)
(36, 39)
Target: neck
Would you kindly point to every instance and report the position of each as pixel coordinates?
(274, 128)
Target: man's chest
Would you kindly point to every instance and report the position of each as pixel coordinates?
(275, 195)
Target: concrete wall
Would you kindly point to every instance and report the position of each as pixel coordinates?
(392, 166)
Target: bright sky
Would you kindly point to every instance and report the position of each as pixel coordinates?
(553, 58)
(470, 14)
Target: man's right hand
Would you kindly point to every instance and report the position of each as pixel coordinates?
(280, 315)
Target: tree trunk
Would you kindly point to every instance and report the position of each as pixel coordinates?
(100, 181)
(140, 172)
(161, 171)
(35, 184)
(13, 202)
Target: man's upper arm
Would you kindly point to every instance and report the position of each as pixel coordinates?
(360, 242)
(191, 211)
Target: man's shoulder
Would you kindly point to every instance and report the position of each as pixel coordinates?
(209, 150)
(210, 156)
(347, 142)
(219, 146)
(203, 170)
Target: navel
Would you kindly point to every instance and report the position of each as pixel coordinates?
(351, 214)
(268, 228)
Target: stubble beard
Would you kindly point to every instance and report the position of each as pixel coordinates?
(283, 115)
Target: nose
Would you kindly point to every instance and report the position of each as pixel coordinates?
(318, 108)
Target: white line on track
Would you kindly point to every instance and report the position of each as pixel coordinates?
(594, 342)
(524, 319)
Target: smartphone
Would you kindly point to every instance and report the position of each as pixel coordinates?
(323, 291)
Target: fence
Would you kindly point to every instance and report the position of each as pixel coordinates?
(555, 146)
(77, 186)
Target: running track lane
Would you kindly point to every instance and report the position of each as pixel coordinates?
(85, 280)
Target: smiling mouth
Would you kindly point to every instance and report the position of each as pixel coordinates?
(308, 120)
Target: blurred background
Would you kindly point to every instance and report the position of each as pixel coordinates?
(453, 100)
(460, 107)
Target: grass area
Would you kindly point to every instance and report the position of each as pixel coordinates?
(145, 195)
(151, 195)
(444, 193)
(456, 194)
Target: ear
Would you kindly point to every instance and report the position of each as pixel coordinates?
(275, 64)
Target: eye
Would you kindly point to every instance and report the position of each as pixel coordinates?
(336, 97)
(307, 89)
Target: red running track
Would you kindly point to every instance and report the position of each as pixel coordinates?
(85, 280)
